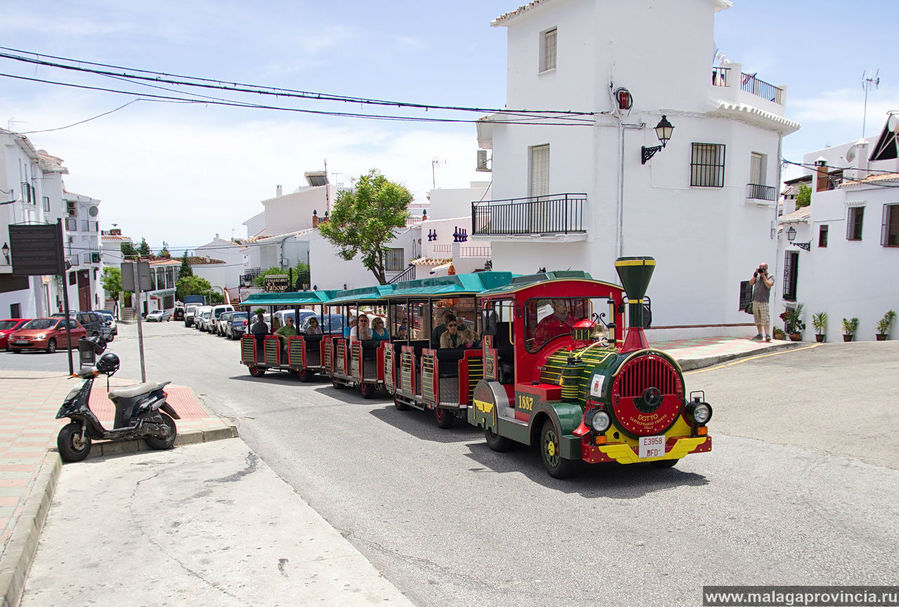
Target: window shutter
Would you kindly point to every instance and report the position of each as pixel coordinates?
(884, 226)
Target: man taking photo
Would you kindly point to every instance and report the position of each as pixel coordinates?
(761, 289)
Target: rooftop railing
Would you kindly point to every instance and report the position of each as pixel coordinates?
(723, 76)
(549, 214)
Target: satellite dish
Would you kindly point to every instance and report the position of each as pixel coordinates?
(850, 154)
(93, 211)
(893, 123)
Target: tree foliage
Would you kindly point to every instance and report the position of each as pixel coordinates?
(192, 285)
(112, 281)
(804, 197)
(165, 250)
(143, 248)
(185, 269)
(128, 249)
(364, 220)
(300, 274)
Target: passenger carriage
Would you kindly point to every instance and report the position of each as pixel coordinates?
(558, 375)
(357, 363)
(418, 372)
(301, 354)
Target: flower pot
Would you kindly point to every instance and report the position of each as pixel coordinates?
(795, 336)
(820, 338)
(880, 336)
(848, 337)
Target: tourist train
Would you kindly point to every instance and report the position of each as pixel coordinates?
(542, 359)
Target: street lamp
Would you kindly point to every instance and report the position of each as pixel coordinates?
(663, 132)
(791, 236)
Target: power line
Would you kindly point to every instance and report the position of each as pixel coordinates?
(210, 83)
(121, 107)
(238, 104)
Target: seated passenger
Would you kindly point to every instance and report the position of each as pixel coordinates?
(451, 338)
(313, 327)
(347, 330)
(470, 339)
(440, 329)
(558, 323)
(361, 331)
(378, 330)
(288, 330)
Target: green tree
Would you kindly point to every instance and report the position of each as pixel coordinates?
(165, 250)
(112, 281)
(128, 249)
(259, 281)
(301, 275)
(363, 220)
(804, 197)
(143, 248)
(192, 285)
(185, 269)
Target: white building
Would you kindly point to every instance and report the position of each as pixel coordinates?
(83, 252)
(221, 262)
(840, 255)
(579, 196)
(31, 189)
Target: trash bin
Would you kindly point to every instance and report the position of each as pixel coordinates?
(88, 349)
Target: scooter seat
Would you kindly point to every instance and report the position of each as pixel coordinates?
(137, 389)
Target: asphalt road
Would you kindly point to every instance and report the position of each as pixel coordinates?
(789, 495)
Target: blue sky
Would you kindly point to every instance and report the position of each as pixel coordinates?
(183, 173)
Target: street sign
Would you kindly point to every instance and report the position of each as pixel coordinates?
(143, 268)
(277, 283)
(36, 250)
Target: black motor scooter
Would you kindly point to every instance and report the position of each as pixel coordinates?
(141, 411)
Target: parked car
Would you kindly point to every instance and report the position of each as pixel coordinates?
(92, 322)
(46, 334)
(190, 314)
(178, 314)
(281, 317)
(203, 316)
(159, 316)
(332, 323)
(217, 311)
(237, 326)
(111, 323)
(7, 327)
(198, 316)
(223, 319)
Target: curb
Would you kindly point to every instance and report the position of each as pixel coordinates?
(111, 448)
(19, 554)
(691, 364)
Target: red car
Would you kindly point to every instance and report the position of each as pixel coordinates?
(45, 334)
(7, 326)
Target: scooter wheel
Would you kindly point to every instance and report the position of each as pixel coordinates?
(71, 447)
(164, 443)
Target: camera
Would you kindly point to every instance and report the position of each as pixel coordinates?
(760, 270)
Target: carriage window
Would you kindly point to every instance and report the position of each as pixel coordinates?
(550, 318)
(463, 309)
(419, 323)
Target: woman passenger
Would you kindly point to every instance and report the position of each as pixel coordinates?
(451, 338)
(378, 330)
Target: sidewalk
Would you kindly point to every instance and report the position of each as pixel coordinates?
(30, 465)
(702, 352)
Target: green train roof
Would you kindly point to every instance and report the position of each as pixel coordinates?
(369, 294)
(298, 298)
(522, 282)
(449, 286)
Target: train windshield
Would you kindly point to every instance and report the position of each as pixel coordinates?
(547, 319)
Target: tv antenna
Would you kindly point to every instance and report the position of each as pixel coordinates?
(870, 80)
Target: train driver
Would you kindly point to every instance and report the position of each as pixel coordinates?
(560, 322)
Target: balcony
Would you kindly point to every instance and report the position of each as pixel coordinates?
(756, 191)
(554, 214)
(727, 77)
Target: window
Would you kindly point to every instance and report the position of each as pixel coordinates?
(707, 165)
(46, 200)
(791, 274)
(854, 223)
(394, 260)
(822, 236)
(15, 310)
(539, 169)
(889, 231)
(548, 50)
(757, 164)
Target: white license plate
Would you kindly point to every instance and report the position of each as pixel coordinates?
(652, 446)
(21, 343)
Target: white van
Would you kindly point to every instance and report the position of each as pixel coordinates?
(214, 316)
(198, 316)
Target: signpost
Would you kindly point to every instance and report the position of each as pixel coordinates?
(277, 283)
(37, 251)
(138, 283)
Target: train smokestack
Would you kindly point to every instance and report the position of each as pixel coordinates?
(635, 273)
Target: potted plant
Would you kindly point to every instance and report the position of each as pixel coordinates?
(819, 321)
(793, 323)
(778, 333)
(884, 324)
(850, 326)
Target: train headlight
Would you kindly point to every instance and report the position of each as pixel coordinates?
(598, 420)
(699, 412)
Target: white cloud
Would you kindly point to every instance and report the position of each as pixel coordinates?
(845, 106)
(69, 26)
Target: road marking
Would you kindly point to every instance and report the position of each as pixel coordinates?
(748, 358)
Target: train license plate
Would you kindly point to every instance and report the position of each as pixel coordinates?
(652, 446)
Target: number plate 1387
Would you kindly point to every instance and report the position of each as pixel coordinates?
(652, 446)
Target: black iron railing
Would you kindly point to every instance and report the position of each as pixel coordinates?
(720, 76)
(550, 214)
(756, 191)
(405, 275)
(762, 89)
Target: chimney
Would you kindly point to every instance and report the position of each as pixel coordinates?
(278, 191)
(314, 218)
(822, 183)
(635, 273)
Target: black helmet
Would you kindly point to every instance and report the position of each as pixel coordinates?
(108, 363)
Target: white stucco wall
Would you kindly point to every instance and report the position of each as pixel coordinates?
(293, 212)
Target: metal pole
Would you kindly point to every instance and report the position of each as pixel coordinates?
(140, 329)
(65, 295)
